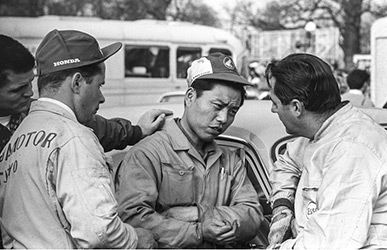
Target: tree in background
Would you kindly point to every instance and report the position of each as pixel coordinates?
(179, 10)
(107, 9)
(345, 14)
(193, 11)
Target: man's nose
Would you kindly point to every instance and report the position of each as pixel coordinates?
(29, 92)
(222, 115)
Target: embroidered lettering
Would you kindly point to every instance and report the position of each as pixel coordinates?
(67, 61)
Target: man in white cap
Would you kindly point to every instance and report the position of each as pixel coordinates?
(56, 186)
(178, 183)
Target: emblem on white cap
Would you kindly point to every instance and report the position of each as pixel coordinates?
(227, 62)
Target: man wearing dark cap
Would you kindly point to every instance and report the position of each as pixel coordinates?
(55, 186)
(16, 76)
(178, 183)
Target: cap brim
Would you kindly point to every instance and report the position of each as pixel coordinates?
(107, 52)
(110, 50)
(227, 77)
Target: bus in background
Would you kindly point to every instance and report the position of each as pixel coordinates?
(155, 54)
(379, 62)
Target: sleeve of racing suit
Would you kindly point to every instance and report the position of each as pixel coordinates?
(286, 173)
(345, 197)
(241, 205)
(84, 188)
(115, 133)
(137, 193)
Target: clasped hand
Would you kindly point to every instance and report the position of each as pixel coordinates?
(219, 232)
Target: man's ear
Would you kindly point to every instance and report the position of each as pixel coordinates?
(297, 107)
(190, 95)
(76, 81)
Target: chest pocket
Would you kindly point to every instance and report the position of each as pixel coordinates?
(177, 187)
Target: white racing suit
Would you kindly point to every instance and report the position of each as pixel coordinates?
(56, 187)
(338, 181)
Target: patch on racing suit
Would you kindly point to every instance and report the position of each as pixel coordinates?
(311, 208)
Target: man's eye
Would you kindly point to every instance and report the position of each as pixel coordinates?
(17, 90)
(217, 106)
(233, 112)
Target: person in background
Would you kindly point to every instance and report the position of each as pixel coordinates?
(358, 83)
(333, 176)
(16, 76)
(181, 185)
(56, 188)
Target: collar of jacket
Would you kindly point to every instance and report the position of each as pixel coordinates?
(53, 108)
(180, 142)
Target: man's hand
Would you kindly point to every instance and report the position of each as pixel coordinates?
(219, 232)
(189, 214)
(280, 225)
(146, 239)
(151, 120)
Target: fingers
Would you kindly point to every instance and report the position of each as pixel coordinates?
(159, 119)
(158, 112)
(152, 120)
(228, 237)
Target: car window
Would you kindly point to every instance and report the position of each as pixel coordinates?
(146, 61)
(184, 57)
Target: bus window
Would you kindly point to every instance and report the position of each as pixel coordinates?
(146, 61)
(184, 58)
(224, 51)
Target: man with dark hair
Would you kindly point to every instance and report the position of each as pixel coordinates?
(56, 187)
(333, 176)
(358, 83)
(16, 76)
(178, 183)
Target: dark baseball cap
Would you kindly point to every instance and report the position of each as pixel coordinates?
(216, 66)
(67, 49)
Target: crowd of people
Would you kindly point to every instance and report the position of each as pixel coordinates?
(176, 187)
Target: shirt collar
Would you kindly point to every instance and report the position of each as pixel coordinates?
(335, 120)
(180, 142)
(355, 91)
(4, 120)
(59, 103)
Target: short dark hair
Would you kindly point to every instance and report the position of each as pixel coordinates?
(357, 78)
(52, 81)
(307, 78)
(201, 85)
(14, 57)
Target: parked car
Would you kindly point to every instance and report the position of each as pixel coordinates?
(256, 130)
(172, 97)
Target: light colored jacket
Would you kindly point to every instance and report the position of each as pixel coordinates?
(357, 98)
(165, 171)
(56, 187)
(339, 182)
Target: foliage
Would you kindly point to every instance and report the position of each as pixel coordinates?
(107, 9)
(347, 15)
(193, 11)
(180, 10)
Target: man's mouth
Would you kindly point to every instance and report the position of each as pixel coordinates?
(216, 128)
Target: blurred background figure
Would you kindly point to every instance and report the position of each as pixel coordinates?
(358, 94)
(260, 90)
